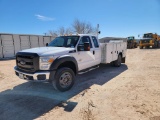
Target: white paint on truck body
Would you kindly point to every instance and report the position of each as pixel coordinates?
(111, 50)
(102, 53)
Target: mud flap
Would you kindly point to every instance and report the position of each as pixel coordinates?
(123, 60)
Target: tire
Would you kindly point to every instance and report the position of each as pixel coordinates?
(155, 44)
(64, 79)
(158, 44)
(135, 46)
(112, 63)
(118, 62)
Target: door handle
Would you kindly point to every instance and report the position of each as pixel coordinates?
(93, 52)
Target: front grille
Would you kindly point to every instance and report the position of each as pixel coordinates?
(27, 57)
(28, 62)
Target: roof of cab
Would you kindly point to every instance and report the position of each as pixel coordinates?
(78, 35)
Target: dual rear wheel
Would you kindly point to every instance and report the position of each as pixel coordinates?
(117, 63)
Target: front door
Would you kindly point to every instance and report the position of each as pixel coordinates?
(85, 59)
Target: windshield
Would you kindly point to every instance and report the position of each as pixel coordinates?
(130, 38)
(64, 41)
(147, 36)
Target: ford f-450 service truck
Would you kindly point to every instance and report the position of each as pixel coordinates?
(66, 56)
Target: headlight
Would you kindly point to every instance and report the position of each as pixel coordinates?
(45, 62)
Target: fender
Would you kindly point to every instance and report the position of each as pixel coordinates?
(62, 59)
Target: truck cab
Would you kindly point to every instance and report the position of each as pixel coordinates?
(63, 58)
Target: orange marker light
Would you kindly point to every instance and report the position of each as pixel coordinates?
(50, 60)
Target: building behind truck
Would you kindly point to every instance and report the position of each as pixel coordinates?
(150, 40)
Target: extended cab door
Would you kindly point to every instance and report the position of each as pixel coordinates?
(85, 59)
(96, 50)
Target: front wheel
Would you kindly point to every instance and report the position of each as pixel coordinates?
(118, 62)
(64, 79)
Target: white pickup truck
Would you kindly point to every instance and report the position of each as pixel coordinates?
(66, 56)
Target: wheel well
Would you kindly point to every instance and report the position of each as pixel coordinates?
(68, 64)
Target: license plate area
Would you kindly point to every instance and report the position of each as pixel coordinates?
(21, 76)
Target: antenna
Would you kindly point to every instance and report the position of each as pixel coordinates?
(97, 30)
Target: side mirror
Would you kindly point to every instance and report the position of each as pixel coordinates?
(86, 46)
(46, 44)
(80, 48)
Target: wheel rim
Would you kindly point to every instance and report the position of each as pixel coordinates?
(65, 80)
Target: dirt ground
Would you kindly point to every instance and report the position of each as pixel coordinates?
(130, 92)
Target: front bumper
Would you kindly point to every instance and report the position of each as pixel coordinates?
(38, 76)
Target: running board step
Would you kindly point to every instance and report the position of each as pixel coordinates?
(88, 69)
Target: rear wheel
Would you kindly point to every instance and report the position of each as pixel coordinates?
(135, 46)
(158, 44)
(112, 63)
(155, 44)
(117, 63)
(64, 79)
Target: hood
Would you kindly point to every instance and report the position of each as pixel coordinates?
(47, 51)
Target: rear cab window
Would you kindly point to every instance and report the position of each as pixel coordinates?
(95, 42)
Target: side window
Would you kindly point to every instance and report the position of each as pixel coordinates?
(95, 42)
(85, 39)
